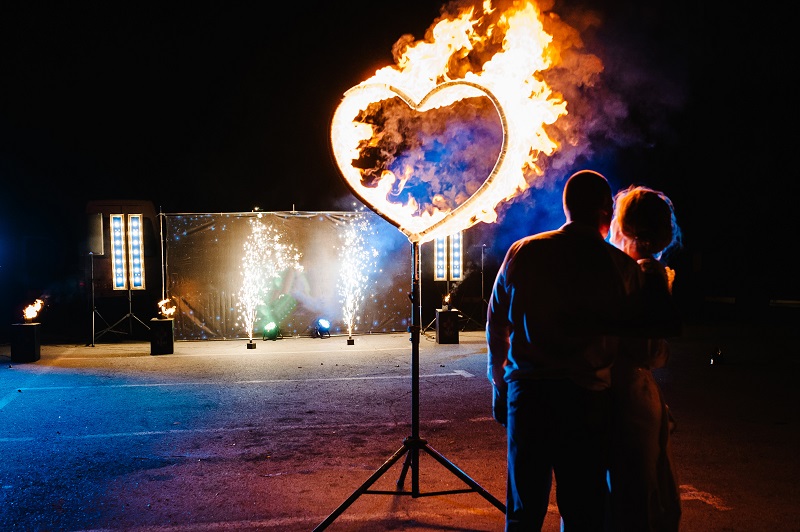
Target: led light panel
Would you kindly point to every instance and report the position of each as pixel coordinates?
(440, 262)
(136, 251)
(456, 258)
(118, 254)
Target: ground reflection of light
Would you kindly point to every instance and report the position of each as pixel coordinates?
(264, 259)
(358, 262)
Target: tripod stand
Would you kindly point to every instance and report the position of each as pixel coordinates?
(129, 316)
(483, 308)
(95, 312)
(484, 303)
(412, 445)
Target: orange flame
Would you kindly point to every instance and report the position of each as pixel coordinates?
(485, 70)
(31, 311)
(165, 308)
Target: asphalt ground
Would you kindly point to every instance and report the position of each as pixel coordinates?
(215, 436)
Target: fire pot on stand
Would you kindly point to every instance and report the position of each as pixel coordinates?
(25, 342)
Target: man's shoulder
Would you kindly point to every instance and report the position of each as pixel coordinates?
(533, 239)
(544, 235)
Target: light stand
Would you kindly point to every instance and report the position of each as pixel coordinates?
(467, 319)
(129, 316)
(413, 444)
(484, 303)
(95, 312)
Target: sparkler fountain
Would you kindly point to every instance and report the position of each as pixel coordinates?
(358, 261)
(436, 142)
(265, 258)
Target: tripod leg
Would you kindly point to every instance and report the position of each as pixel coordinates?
(412, 461)
(95, 334)
(463, 476)
(140, 321)
(412, 444)
(468, 320)
(402, 478)
(362, 489)
(111, 328)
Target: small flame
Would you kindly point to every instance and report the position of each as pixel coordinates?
(166, 308)
(461, 123)
(31, 311)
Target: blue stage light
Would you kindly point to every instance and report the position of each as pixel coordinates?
(323, 328)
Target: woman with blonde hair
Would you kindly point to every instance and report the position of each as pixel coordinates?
(644, 487)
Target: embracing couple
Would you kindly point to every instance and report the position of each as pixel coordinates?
(574, 326)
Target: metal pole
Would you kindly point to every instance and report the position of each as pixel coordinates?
(415, 332)
(163, 257)
(91, 274)
(130, 312)
(412, 444)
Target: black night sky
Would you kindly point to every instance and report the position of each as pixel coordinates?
(221, 107)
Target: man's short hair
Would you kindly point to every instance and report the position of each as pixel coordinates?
(587, 193)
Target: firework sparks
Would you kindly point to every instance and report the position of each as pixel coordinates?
(358, 262)
(266, 257)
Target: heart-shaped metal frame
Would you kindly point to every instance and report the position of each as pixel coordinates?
(416, 228)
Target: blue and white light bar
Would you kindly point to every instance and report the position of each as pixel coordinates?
(449, 260)
(136, 251)
(440, 261)
(456, 257)
(118, 255)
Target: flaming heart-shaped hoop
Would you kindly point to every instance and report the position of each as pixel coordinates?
(347, 134)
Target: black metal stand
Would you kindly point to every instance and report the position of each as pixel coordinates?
(413, 444)
(95, 312)
(130, 316)
(484, 304)
(467, 319)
